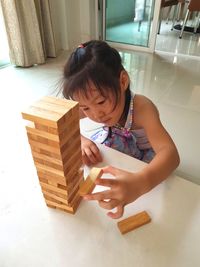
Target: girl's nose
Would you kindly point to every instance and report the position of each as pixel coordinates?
(99, 115)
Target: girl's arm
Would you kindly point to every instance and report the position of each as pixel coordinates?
(166, 159)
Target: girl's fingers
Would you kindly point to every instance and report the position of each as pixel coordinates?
(90, 155)
(85, 159)
(118, 213)
(106, 182)
(108, 205)
(111, 170)
(96, 153)
(99, 195)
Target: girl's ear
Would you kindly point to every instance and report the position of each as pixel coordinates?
(124, 80)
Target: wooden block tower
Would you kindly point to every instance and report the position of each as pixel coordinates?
(54, 136)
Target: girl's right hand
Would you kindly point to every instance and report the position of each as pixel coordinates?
(90, 152)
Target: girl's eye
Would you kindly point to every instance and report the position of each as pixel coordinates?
(85, 109)
(101, 102)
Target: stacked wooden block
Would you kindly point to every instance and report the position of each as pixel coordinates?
(54, 136)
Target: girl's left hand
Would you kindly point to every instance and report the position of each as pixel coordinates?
(124, 189)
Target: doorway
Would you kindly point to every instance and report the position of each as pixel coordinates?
(128, 24)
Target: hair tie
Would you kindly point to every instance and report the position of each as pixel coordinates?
(81, 46)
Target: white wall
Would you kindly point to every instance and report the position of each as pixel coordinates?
(87, 20)
(73, 22)
(59, 19)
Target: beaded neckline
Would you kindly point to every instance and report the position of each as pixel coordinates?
(129, 119)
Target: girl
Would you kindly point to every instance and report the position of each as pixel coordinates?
(94, 76)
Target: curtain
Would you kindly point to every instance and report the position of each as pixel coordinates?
(29, 31)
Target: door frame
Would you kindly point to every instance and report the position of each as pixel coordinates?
(152, 36)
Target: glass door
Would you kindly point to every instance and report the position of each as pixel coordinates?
(129, 24)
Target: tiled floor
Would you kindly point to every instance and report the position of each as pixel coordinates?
(168, 41)
(173, 84)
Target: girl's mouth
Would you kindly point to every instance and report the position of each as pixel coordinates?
(105, 121)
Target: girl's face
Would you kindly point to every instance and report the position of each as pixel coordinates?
(101, 108)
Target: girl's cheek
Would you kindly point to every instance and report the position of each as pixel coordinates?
(88, 114)
(110, 107)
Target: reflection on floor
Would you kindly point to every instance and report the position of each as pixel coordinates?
(171, 82)
(168, 41)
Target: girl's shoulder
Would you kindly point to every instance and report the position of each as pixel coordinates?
(141, 101)
(143, 107)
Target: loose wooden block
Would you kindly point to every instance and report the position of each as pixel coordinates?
(133, 222)
(88, 185)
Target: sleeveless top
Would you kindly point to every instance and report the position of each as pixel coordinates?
(131, 142)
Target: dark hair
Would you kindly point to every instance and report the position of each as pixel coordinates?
(96, 62)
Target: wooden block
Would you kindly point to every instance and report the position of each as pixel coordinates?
(61, 102)
(42, 104)
(41, 116)
(73, 161)
(66, 208)
(74, 189)
(48, 163)
(88, 185)
(68, 149)
(50, 206)
(74, 202)
(41, 127)
(68, 112)
(55, 197)
(51, 114)
(32, 130)
(133, 222)
(71, 130)
(54, 137)
(44, 147)
(52, 176)
(46, 129)
(65, 151)
(46, 158)
(35, 138)
(77, 179)
(69, 176)
(52, 183)
(46, 186)
(46, 153)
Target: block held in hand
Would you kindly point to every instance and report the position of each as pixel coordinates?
(89, 184)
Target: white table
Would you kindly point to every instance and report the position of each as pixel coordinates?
(32, 235)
